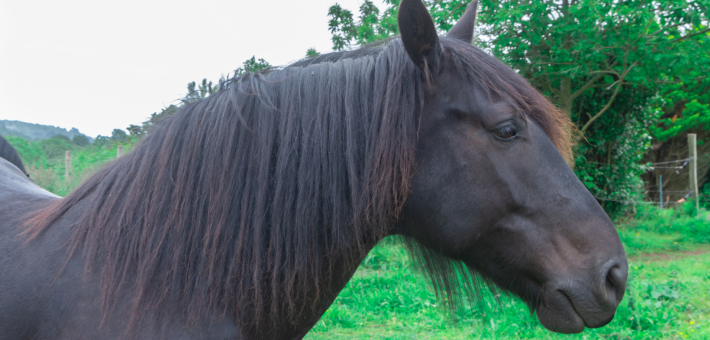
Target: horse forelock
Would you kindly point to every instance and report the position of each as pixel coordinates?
(499, 81)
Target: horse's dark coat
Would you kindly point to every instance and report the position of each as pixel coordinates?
(246, 213)
(9, 153)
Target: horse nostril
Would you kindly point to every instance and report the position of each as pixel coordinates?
(616, 280)
(611, 277)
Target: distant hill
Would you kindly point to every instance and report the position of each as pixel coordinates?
(31, 131)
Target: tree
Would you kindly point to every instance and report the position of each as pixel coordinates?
(135, 131)
(563, 47)
(203, 90)
(118, 135)
(80, 140)
(684, 101)
(683, 106)
(252, 66)
(196, 92)
(140, 131)
(569, 47)
(62, 137)
(371, 27)
(312, 53)
(56, 146)
(102, 141)
(603, 62)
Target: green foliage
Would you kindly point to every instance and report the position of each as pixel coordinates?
(194, 94)
(704, 193)
(31, 131)
(387, 298)
(602, 62)
(372, 26)
(119, 135)
(682, 222)
(32, 154)
(611, 66)
(685, 95)
(62, 137)
(102, 141)
(138, 132)
(55, 147)
(568, 48)
(135, 131)
(346, 33)
(252, 66)
(312, 53)
(342, 27)
(45, 159)
(652, 230)
(609, 160)
(80, 140)
(695, 116)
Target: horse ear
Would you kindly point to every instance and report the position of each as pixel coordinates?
(419, 34)
(463, 29)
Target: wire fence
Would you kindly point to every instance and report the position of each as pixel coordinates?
(706, 199)
(654, 166)
(668, 165)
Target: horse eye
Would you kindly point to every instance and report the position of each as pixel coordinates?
(508, 131)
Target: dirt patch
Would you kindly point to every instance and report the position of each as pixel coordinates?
(669, 256)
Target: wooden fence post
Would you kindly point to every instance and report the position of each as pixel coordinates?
(67, 165)
(693, 155)
(119, 152)
(660, 185)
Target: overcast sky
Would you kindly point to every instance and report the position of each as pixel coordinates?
(98, 65)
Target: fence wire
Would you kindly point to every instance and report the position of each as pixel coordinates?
(663, 166)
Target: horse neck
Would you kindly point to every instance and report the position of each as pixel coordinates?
(342, 273)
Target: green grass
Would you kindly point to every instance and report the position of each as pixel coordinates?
(653, 230)
(388, 299)
(44, 160)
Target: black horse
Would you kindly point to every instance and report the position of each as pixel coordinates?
(8, 152)
(243, 215)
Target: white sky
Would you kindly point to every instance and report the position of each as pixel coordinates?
(98, 65)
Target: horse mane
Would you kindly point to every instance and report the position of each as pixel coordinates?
(242, 203)
(8, 152)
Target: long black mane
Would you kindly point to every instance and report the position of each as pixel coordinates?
(244, 202)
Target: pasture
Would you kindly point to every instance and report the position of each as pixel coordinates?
(667, 296)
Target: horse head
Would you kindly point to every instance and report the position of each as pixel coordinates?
(493, 190)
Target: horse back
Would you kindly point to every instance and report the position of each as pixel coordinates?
(15, 186)
(45, 294)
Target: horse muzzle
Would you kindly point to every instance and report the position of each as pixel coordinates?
(570, 305)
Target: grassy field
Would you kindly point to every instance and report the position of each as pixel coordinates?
(667, 297)
(45, 161)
